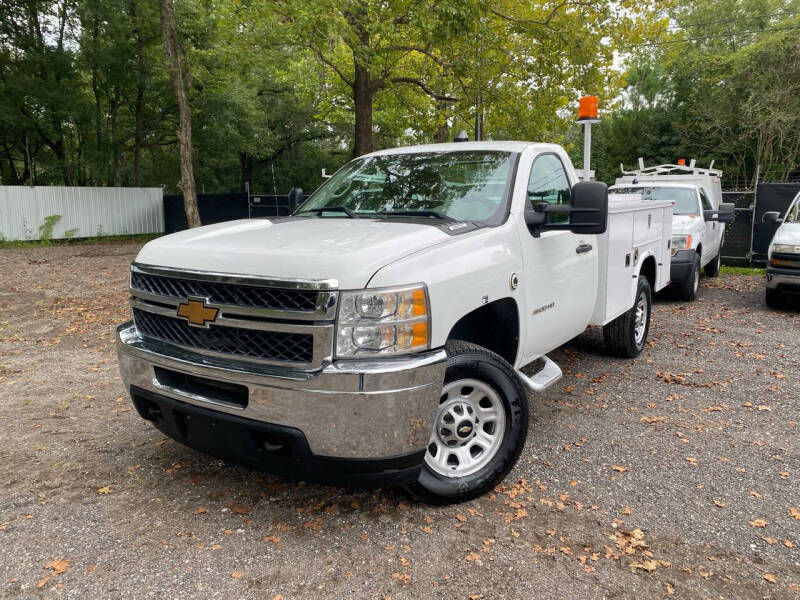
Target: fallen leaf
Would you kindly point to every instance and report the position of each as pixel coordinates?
(645, 565)
(473, 556)
(788, 543)
(240, 510)
(275, 539)
(104, 490)
(236, 574)
(755, 494)
(758, 523)
(720, 504)
(770, 577)
(461, 518)
(669, 589)
(691, 460)
(42, 582)
(59, 565)
(277, 597)
(619, 468)
(201, 510)
(794, 512)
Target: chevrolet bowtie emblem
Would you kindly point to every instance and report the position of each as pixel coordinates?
(197, 313)
(465, 429)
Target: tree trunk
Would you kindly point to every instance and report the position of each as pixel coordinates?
(362, 98)
(173, 60)
(138, 110)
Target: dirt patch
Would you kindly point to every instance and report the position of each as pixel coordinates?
(645, 478)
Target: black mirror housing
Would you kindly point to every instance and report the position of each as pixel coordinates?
(588, 211)
(772, 216)
(589, 214)
(726, 213)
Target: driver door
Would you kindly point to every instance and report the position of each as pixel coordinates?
(560, 276)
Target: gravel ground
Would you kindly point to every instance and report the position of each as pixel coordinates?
(675, 474)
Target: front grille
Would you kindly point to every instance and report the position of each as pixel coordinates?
(233, 294)
(236, 341)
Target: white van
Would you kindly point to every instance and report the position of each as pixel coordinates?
(783, 270)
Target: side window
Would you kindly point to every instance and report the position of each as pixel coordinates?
(704, 199)
(549, 183)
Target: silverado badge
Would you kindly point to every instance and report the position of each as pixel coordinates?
(197, 313)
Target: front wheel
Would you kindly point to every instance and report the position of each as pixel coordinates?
(774, 299)
(625, 336)
(712, 268)
(687, 290)
(479, 430)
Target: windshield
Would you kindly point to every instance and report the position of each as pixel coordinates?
(685, 199)
(793, 215)
(462, 186)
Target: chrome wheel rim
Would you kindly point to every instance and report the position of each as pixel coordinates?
(640, 322)
(469, 428)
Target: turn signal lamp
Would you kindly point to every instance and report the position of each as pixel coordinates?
(682, 161)
(587, 109)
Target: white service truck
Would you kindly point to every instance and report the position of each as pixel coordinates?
(698, 218)
(783, 270)
(377, 335)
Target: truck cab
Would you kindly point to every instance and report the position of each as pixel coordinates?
(783, 269)
(378, 335)
(698, 222)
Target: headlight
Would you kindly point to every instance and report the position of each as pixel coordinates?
(386, 321)
(681, 242)
(786, 249)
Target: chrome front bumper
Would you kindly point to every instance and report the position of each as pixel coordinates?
(786, 279)
(367, 409)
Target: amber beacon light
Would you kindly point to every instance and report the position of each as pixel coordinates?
(587, 109)
(587, 114)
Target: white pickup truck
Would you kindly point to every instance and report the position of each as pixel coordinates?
(783, 270)
(377, 335)
(698, 222)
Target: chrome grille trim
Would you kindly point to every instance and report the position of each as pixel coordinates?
(318, 322)
(324, 306)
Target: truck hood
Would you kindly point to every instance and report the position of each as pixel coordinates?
(788, 233)
(347, 250)
(684, 224)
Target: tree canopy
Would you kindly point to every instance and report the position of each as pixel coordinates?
(280, 90)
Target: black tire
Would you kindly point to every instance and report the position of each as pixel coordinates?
(712, 268)
(774, 299)
(620, 334)
(687, 290)
(470, 361)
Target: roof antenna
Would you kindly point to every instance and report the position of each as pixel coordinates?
(461, 137)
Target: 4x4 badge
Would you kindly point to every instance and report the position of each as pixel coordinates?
(197, 313)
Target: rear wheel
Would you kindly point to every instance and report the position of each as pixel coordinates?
(479, 430)
(687, 290)
(626, 335)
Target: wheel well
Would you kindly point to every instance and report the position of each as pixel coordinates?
(649, 270)
(700, 249)
(494, 326)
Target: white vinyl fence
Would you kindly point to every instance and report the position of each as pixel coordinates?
(30, 213)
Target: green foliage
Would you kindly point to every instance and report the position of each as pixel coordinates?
(730, 94)
(46, 228)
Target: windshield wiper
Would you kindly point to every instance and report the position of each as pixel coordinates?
(416, 213)
(341, 209)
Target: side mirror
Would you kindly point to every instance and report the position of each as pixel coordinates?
(772, 216)
(726, 213)
(295, 199)
(589, 212)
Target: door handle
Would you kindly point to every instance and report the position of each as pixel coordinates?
(583, 248)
